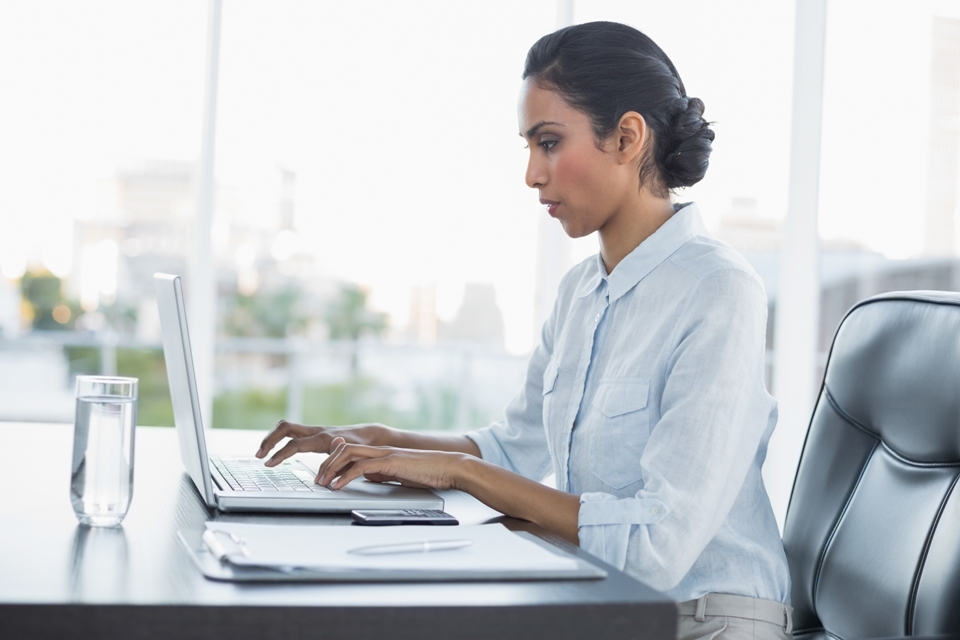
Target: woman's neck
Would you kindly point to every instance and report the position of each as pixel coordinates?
(635, 222)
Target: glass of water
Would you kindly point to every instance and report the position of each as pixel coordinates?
(101, 480)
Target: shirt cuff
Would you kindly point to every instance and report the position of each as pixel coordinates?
(489, 446)
(604, 508)
(606, 523)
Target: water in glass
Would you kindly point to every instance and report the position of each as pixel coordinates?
(101, 483)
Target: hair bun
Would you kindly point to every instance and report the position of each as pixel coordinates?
(685, 155)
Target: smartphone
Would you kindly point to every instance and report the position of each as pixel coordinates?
(402, 516)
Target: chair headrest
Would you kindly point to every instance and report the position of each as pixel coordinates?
(896, 373)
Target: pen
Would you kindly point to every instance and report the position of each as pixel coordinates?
(423, 546)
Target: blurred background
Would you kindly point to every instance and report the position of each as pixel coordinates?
(373, 253)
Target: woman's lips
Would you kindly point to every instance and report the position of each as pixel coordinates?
(551, 206)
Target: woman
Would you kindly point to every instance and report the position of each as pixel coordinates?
(646, 394)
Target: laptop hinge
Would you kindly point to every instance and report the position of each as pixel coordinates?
(218, 480)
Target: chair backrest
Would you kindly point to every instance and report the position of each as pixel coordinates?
(872, 533)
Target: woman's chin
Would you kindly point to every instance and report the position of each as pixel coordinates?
(574, 231)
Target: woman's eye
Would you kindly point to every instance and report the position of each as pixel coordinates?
(547, 144)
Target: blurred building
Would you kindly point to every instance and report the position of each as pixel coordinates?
(288, 185)
(423, 323)
(147, 228)
(9, 308)
(155, 200)
(849, 272)
(746, 230)
(478, 320)
(144, 231)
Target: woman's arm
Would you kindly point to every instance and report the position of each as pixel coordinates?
(318, 439)
(434, 442)
(503, 490)
(519, 497)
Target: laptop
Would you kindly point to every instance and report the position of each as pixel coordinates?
(244, 483)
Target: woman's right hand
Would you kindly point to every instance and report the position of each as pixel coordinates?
(318, 439)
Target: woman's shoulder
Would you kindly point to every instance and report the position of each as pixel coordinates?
(706, 258)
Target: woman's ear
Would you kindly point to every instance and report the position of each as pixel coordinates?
(632, 137)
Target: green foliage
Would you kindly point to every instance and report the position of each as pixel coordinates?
(153, 392)
(437, 409)
(359, 400)
(82, 361)
(42, 293)
(153, 404)
(248, 409)
(265, 315)
(364, 400)
(120, 316)
(355, 401)
(348, 317)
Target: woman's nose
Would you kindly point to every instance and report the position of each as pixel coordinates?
(535, 177)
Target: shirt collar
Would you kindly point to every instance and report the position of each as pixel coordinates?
(684, 225)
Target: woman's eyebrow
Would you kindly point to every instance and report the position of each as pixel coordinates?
(533, 130)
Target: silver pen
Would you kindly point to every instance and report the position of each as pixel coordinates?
(423, 546)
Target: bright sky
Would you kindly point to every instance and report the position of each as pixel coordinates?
(399, 119)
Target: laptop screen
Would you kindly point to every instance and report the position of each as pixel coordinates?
(183, 382)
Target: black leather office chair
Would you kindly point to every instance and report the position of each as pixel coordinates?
(872, 533)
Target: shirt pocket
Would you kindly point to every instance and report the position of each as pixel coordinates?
(622, 431)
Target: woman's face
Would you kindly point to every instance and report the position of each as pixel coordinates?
(582, 185)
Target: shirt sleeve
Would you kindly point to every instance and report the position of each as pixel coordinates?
(714, 413)
(518, 442)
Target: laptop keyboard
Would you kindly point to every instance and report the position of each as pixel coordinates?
(249, 474)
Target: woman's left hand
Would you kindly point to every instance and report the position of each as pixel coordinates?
(409, 467)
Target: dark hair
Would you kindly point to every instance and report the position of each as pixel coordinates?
(606, 69)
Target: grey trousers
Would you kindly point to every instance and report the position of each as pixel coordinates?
(718, 616)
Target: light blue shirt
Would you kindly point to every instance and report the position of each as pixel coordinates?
(646, 398)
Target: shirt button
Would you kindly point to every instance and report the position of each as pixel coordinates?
(597, 319)
(655, 509)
